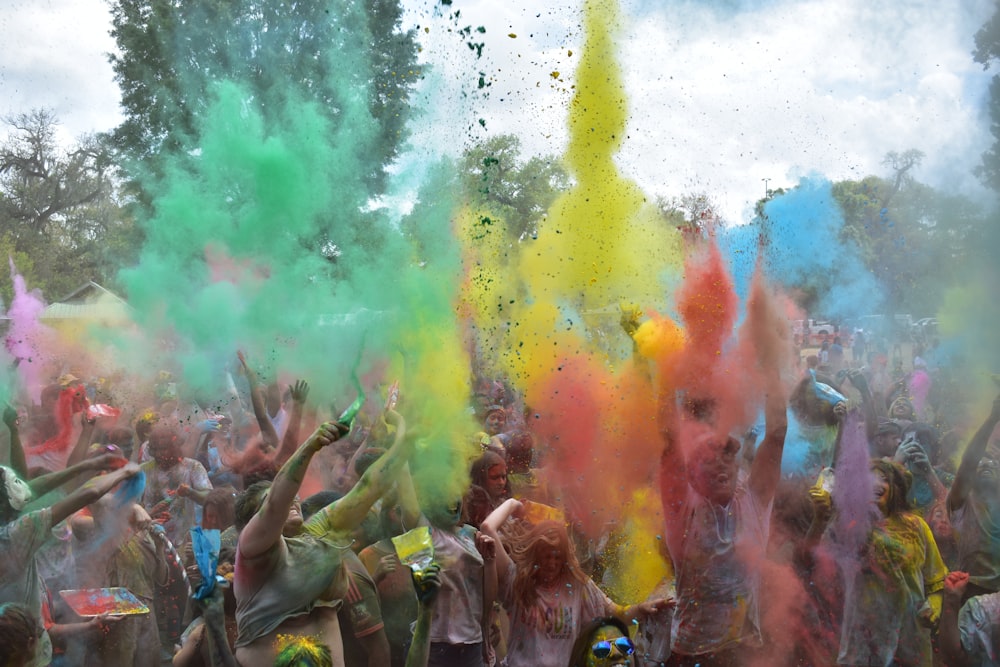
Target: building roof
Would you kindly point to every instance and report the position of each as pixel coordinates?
(90, 301)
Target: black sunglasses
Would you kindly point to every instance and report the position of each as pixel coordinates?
(603, 649)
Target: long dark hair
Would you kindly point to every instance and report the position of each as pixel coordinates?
(585, 639)
(899, 480)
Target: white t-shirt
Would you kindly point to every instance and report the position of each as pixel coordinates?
(718, 581)
(458, 609)
(979, 629)
(542, 635)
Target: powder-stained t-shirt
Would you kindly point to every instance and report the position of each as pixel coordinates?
(162, 484)
(459, 605)
(292, 578)
(542, 634)
(20, 540)
(977, 533)
(718, 587)
(979, 629)
(900, 567)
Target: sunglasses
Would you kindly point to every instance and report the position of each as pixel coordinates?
(603, 649)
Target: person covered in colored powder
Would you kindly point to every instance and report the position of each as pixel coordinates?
(175, 484)
(974, 509)
(289, 577)
(717, 531)
(489, 487)
(23, 533)
(969, 633)
(547, 594)
(893, 594)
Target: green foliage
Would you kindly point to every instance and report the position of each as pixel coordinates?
(986, 52)
(173, 53)
(60, 216)
(499, 181)
(913, 238)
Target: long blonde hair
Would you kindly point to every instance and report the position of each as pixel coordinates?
(526, 546)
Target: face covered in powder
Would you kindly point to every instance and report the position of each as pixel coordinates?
(988, 470)
(715, 469)
(610, 647)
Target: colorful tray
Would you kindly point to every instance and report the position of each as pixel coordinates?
(89, 602)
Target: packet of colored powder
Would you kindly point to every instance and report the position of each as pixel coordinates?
(415, 549)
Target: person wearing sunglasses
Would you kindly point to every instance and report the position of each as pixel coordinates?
(602, 642)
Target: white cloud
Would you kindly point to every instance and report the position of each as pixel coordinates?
(53, 55)
(719, 98)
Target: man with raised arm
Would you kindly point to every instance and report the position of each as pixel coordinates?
(717, 525)
(974, 509)
(289, 579)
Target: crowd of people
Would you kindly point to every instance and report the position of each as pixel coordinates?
(881, 548)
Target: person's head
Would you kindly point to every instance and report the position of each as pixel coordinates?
(144, 424)
(304, 651)
(714, 467)
(14, 494)
(520, 452)
(939, 523)
(836, 340)
(496, 419)
(892, 483)
(445, 515)
(318, 501)
(603, 642)
(366, 459)
(250, 501)
(219, 510)
(888, 435)
(544, 557)
(165, 445)
(902, 408)
(988, 470)
(121, 437)
(19, 635)
(390, 518)
(490, 472)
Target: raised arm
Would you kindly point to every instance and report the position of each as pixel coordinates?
(17, 461)
(264, 530)
(267, 432)
(673, 476)
(300, 392)
(769, 333)
(427, 587)
(79, 452)
(91, 491)
(45, 483)
(860, 382)
(966, 474)
(949, 635)
(348, 512)
(766, 469)
(491, 527)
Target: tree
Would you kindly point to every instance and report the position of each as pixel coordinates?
(59, 208)
(911, 237)
(499, 181)
(693, 213)
(173, 52)
(986, 52)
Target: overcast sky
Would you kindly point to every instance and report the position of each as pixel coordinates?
(721, 94)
